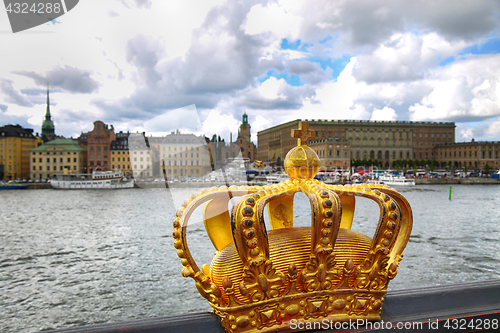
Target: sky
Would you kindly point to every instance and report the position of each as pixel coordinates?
(197, 66)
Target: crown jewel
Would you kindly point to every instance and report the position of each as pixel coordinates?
(260, 280)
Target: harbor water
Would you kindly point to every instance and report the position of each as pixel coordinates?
(72, 258)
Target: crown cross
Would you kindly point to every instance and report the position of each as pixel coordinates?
(303, 134)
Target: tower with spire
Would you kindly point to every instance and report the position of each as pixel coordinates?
(48, 132)
(244, 130)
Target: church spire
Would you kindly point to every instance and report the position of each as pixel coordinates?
(47, 114)
(48, 132)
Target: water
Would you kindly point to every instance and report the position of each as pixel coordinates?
(71, 258)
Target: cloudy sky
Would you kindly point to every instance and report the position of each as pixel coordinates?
(159, 65)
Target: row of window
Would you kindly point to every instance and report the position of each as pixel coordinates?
(490, 155)
(55, 160)
(379, 142)
(55, 153)
(91, 163)
(180, 155)
(331, 153)
(381, 155)
(98, 148)
(174, 171)
(53, 168)
(98, 155)
(170, 149)
(119, 159)
(123, 167)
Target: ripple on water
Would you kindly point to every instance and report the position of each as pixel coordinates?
(87, 257)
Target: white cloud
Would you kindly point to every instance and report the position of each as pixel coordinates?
(220, 124)
(404, 57)
(270, 89)
(384, 114)
(272, 18)
(185, 119)
(135, 59)
(468, 90)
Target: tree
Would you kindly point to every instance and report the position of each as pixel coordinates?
(487, 169)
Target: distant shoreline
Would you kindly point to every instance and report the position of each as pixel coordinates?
(418, 181)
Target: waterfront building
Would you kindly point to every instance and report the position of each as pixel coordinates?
(59, 156)
(243, 143)
(98, 146)
(120, 155)
(385, 141)
(473, 155)
(182, 155)
(222, 153)
(140, 155)
(48, 129)
(15, 145)
(176, 155)
(332, 153)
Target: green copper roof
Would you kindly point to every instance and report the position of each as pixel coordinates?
(46, 125)
(66, 144)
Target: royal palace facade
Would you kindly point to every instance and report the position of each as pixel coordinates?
(385, 141)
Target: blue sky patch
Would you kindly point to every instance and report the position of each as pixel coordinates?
(491, 45)
(287, 45)
(291, 79)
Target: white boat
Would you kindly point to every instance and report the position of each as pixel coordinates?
(276, 178)
(399, 180)
(98, 180)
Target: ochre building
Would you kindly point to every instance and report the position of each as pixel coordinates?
(332, 153)
(120, 156)
(474, 155)
(59, 156)
(15, 145)
(386, 141)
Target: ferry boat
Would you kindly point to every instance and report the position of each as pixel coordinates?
(98, 180)
(399, 180)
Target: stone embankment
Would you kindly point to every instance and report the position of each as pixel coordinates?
(464, 181)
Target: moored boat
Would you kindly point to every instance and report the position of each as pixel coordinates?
(399, 180)
(98, 180)
(276, 178)
(12, 186)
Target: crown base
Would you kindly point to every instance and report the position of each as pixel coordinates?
(314, 310)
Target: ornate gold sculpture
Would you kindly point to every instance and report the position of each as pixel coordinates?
(261, 279)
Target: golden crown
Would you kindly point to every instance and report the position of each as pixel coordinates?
(263, 280)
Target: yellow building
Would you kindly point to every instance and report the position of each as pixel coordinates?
(60, 156)
(474, 155)
(385, 141)
(120, 156)
(15, 145)
(333, 154)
